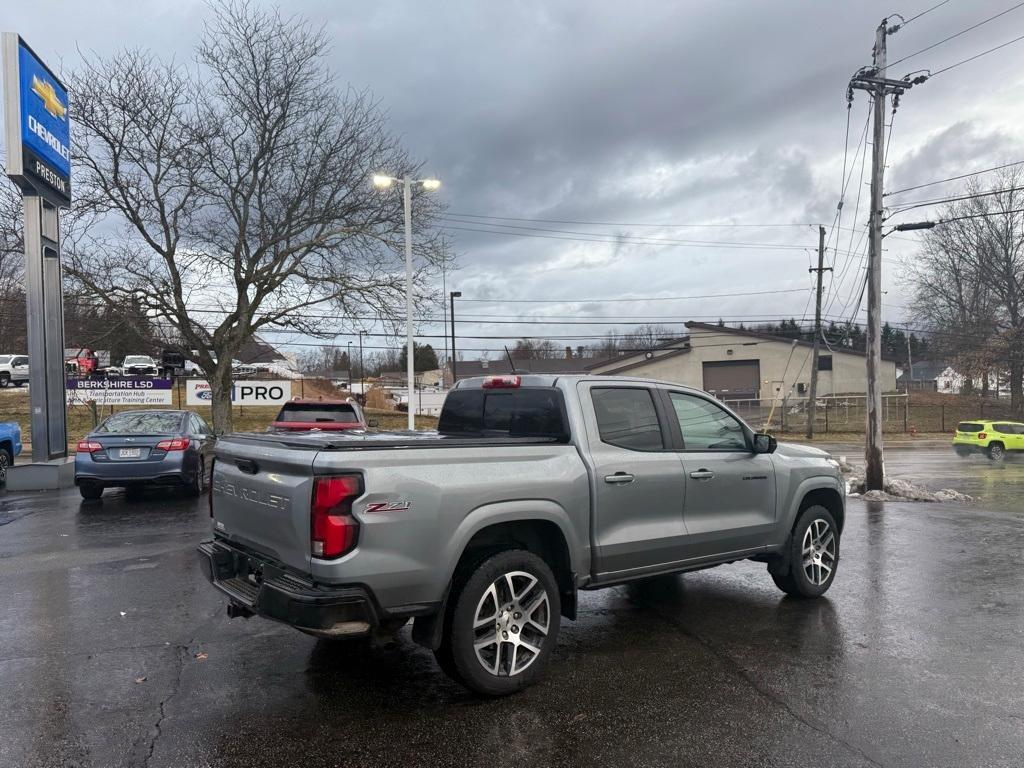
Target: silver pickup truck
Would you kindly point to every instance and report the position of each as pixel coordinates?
(533, 488)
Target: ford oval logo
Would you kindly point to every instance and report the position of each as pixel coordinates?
(205, 395)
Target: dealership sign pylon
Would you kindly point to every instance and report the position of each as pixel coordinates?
(38, 142)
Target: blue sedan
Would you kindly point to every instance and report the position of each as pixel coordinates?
(133, 449)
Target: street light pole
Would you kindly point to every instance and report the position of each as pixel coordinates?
(348, 363)
(383, 182)
(452, 297)
(362, 371)
(410, 357)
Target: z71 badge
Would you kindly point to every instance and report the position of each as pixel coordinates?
(388, 506)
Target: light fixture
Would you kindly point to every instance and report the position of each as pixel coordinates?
(382, 182)
(431, 184)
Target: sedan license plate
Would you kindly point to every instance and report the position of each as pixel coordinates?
(130, 453)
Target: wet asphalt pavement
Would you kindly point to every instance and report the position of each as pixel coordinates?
(114, 651)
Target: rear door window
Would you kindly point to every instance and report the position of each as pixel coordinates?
(1004, 429)
(536, 412)
(627, 418)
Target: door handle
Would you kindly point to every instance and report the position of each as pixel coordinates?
(702, 474)
(619, 478)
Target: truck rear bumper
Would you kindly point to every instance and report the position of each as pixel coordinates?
(264, 589)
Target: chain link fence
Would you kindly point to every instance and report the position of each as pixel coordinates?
(848, 413)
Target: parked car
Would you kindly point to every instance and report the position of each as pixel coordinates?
(10, 446)
(133, 449)
(139, 365)
(13, 370)
(992, 438)
(534, 487)
(318, 415)
(84, 362)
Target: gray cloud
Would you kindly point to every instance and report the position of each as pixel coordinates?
(640, 112)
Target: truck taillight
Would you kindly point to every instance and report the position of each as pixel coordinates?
(333, 530)
(88, 446)
(175, 444)
(502, 382)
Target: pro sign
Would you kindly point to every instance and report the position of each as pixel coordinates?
(198, 392)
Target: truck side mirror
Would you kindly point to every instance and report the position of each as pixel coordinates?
(764, 443)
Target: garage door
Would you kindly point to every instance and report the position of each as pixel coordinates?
(733, 379)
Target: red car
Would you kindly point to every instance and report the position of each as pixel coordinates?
(320, 415)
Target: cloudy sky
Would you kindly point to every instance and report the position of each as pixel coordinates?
(575, 138)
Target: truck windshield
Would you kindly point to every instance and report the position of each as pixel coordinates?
(337, 413)
(536, 412)
(5, 359)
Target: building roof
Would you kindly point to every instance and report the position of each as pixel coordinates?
(558, 365)
(256, 350)
(782, 339)
(925, 370)
(682, 345)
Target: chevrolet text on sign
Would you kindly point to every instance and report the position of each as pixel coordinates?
(197, 392)
(37, 128)
(127, 390)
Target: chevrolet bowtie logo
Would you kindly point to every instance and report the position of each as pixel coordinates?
(51, 102)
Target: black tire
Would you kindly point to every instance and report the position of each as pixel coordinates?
(6, 460)
(514, 632)
(90, 492)
(198, 484)
(796, 580)
(996, 451)
(5, 379)
(19, 383)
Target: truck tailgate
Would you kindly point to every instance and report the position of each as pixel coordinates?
(261, 498)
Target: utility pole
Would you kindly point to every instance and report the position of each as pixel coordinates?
(910, 365)
(452, 296)
(812, 401)
(875, 81)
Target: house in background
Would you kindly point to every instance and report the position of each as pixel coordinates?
(936, 376)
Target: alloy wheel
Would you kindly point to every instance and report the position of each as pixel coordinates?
(819, 552)
(511, 622)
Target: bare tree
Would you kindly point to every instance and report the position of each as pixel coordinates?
(241, 189)
(968, 282)
(535, 349)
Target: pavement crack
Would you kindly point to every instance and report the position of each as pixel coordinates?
(764, 691)
(157, 730)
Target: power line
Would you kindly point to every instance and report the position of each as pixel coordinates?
(977, 56)
(954, 36)
(922, 13)
(981, 215)
(621, 223)
(938, 200)
(646, 298)
(954, 178)
(628, 240)
(642, 240)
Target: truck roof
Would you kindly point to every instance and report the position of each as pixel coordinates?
(551, 379)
